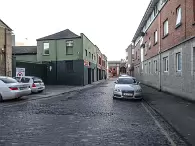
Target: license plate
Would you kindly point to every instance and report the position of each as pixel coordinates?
(128, 94)
(22, 88)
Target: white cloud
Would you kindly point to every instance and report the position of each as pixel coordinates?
(110, 24)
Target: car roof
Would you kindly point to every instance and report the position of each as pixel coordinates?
(127, 77)
(4, 77)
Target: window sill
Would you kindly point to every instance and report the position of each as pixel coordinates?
(165, 36)
(45, 54)
(69, 54)
(178, 25)
(155, 44)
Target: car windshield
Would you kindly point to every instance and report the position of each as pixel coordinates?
(8, 80)
(126, 81)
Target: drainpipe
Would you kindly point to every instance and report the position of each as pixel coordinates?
(5, 50)
(56, 63)
(185, 19)
(160, 69)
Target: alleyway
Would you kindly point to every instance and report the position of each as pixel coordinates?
(88, 117)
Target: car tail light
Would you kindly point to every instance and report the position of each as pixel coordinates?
(33, 85)
(13, 88)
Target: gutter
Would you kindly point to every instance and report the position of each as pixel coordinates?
(160, 66)
(5, 51)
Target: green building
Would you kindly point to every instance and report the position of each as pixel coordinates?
(71, 59)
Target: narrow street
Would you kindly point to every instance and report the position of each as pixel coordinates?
(87, 117)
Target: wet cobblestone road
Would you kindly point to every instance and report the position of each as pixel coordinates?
(84, 118)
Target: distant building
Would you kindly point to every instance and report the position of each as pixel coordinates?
(116, 68)
(25, 53)
(5, 49)
(71, 59)
(130, 59)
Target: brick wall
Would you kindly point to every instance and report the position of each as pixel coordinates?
(176, 35)
(6, 55)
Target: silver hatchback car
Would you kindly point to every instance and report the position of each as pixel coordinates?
(128, 88)
(35, 83)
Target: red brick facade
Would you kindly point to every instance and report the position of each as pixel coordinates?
(175, 34)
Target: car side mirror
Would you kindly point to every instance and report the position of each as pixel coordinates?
(115, 82)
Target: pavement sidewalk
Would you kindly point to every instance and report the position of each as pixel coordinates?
(179, 113)
(55, 90)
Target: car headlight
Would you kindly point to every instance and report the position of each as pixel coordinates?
(139, 90)
(117, 90)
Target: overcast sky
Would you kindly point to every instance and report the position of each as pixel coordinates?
(110, 24)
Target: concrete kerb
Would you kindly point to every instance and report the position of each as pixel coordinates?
(77, 89)
(154, 110)
(175, 96)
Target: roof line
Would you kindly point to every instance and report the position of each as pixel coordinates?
(138, 29)
(57, 39)
(6, 25)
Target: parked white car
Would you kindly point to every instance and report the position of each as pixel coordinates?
(36, 84)
(128, 88)
(11, 89)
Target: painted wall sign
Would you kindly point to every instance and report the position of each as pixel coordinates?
(20, 72)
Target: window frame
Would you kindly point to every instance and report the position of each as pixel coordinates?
(166, 64)
(155, 66)
(177, 62)
(69, 47)
(178, 13)
(156, 37)
(86, 53)
(167, 24)
(44, 49)
(149, 67)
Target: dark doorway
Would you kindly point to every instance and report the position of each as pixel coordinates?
(92, 75)
(97, 74)
(89, 75)
(123, 70)
(100, 75)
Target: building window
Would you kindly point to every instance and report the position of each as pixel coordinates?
(166, 64)
(46, 48)
(178, 61)
(69, 47)
(69, 66)
(100, 60)
(155, 37)
(145, 68)
(178, 20)
(149, 68)
(94, 57)
(133, 50)
(85, 52)
(155, 10)
(89, 54)
(166, 28)
(155, 66)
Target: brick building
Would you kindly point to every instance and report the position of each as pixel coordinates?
(5, 49)
(164, 46)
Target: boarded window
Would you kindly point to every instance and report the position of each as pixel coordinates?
(69, 47)
(69, 66)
